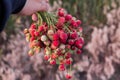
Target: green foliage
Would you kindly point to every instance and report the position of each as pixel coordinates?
(89, 11)
(10, 27)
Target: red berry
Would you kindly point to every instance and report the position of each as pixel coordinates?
(80, 29)
(71, 42)
(56, 43)
(74, 23)
(68, 17)
(68, 55)
(79, 51)
(74, 35)
(73, 48)
(33, 26)
(52, 62)
(63, 37)
(79, 42)
(61, 20)
(79, 46)
(68, 46)
(34, 17)
(61, 12)
(41, 28)
(54, 56)
(78, 22)
(32, 39)
(46, 57)
(55, 36)
(68, 61)
(36, 33)
(68, 76)
(59, 52)
(32, 31)
(61, 67)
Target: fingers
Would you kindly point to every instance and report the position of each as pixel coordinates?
(42, 6)
(47, 1)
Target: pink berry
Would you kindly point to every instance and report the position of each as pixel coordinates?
(52, 62)
(74, 35)
(78, 22)
(70, 41)
(68, 76)
(78, 51)
(68, 17)
(34, 17)
(61, 67)
(46, 57)
(55, 36)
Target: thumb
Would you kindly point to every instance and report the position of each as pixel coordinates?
(42, 6)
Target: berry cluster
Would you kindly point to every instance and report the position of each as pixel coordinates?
(59, 35)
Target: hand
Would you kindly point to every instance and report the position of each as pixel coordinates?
(32, 6)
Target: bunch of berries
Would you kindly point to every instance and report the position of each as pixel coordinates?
(59, 35)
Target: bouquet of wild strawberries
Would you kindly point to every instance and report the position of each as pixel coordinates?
(59, 35)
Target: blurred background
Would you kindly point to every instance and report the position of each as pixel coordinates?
(100, 59)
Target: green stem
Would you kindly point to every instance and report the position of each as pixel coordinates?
(40, 19)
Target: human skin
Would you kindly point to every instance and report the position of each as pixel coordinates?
(32, 6)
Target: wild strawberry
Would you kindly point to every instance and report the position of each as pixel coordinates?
(41, 28)
(78, 22)
(68, 55)
(68, 76)
(33, 26)
(61, 12)
(36, 33)
(79, 46)
(78, 51)
(32, 31)
(73, 35)
(35, 43)
(58, 52)
(74, 23)
(61, 20)
(55, 44)
(68, 17)
(37, 50)
(31, 53)
(68, 61)
(46, 57)
(80, 29)
(68, 46)
(61, 67)
(31, 45)
(26, 31)
(32, 39)
(34, 17)
(55, 36)
(63, 37)
(54, 56)
(73, 48)
(71, 41)
(52, 62)
(79, 42)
